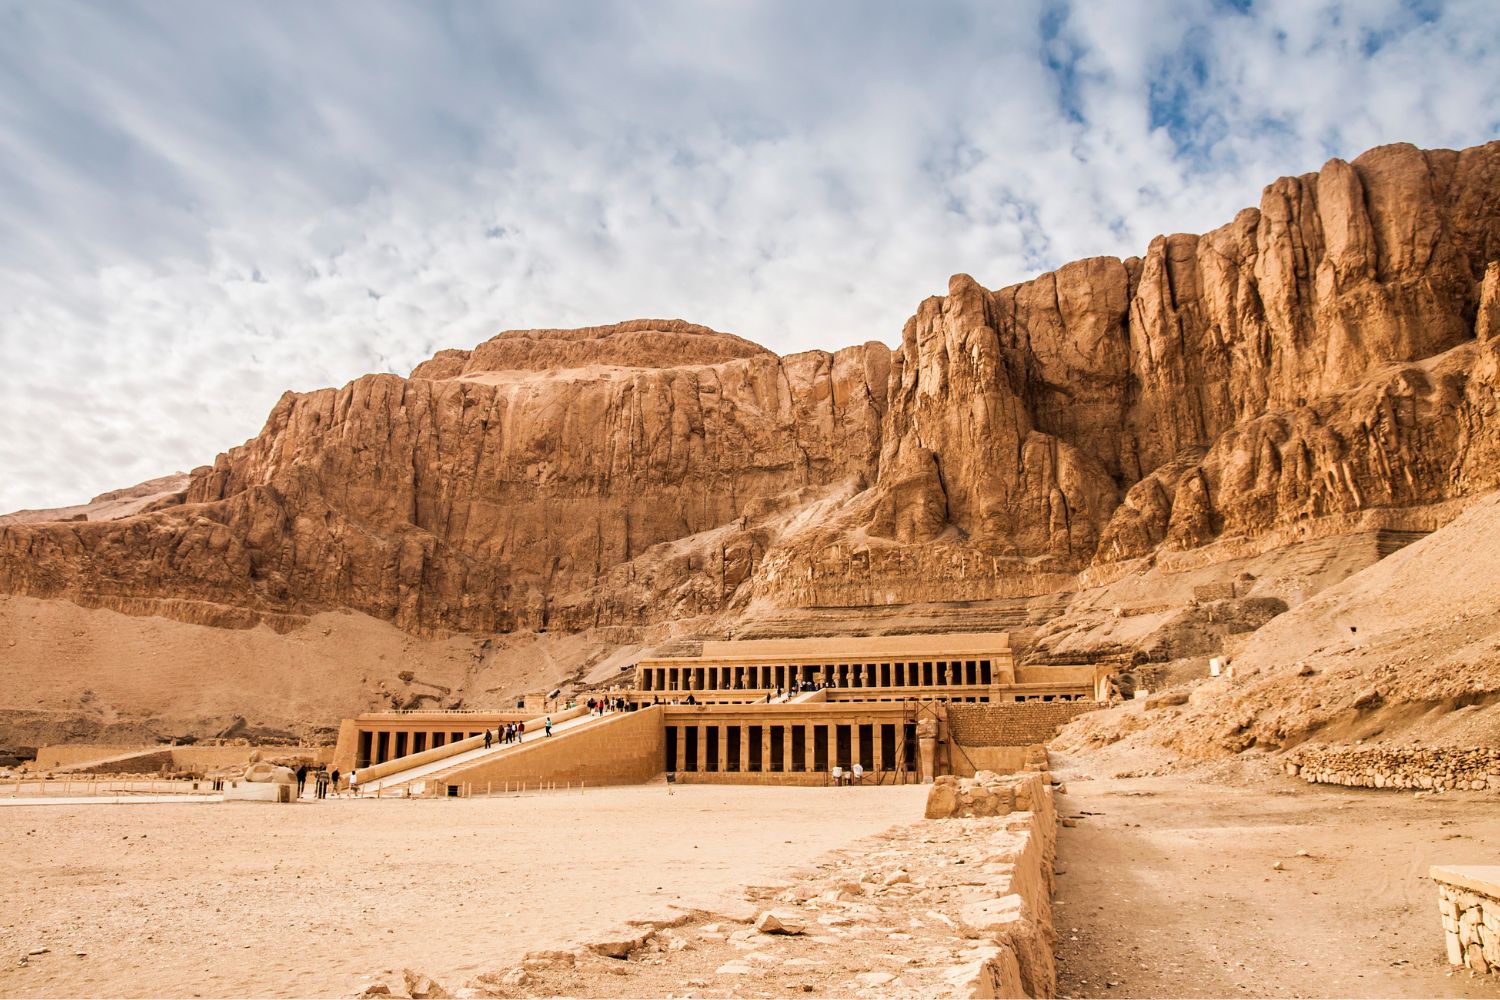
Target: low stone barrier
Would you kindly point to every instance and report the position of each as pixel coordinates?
(1469, 902)
(1440, 769)
(1015, 916)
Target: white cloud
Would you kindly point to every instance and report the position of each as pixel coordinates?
(201, 206)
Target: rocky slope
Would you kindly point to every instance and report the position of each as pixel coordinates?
(1323, 363)
(1407, 649)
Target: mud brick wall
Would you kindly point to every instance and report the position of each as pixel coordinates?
(1012, 724)
(1437, 768)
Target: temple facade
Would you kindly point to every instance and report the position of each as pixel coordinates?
(763, 710)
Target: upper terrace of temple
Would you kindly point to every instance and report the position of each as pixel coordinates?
(897, 664)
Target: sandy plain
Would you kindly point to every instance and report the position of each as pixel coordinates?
(320, 898)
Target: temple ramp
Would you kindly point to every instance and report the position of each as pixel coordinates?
(621, 748)
(535, 730)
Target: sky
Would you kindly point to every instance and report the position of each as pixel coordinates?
(203, 204)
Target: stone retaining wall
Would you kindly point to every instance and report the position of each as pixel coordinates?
(1436, 768)
(1012, 723)
(1469, 902)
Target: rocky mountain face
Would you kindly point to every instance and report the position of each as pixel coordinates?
(1325, 359)
(486, 490)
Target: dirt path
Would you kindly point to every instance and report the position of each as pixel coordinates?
(1169, 888)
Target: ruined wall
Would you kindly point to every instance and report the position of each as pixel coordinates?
(1469, 903)
(1437, 768)
(1012, 724)
(1011, 910)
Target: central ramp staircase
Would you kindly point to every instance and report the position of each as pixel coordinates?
(615, 748)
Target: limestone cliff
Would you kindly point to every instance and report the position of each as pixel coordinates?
(488, 487)
(1328, 356)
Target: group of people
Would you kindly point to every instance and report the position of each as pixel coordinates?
(509, 733)
(598, 706)
(849, 776)
(325, 781)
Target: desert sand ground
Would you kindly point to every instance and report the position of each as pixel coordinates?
(1169, 886)
(318, 899)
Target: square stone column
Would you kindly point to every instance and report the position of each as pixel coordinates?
(744, 748)
(809, 747)
(702, 748)
(765, 749)
(877, 745)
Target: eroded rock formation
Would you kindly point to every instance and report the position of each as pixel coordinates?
(1329, 354)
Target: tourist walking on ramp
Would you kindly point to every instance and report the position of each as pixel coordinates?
(487, 740)
(548, 724)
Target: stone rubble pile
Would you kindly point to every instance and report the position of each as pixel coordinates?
(1424, 767)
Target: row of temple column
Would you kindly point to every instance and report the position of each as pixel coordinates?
(377, 746)
(791, 676)
(783, 747)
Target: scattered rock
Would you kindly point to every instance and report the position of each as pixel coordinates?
(874, 978)
(549, 959)
(780, 922)
(621, 943)
(423, 987)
